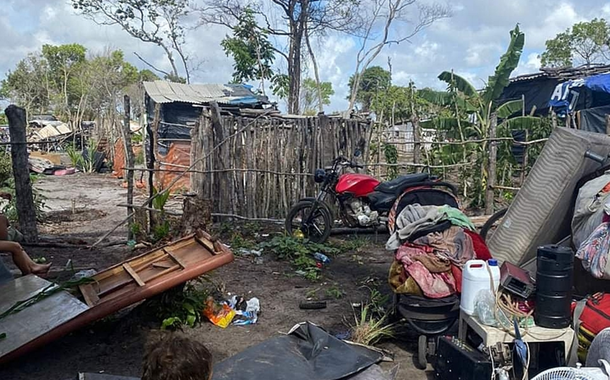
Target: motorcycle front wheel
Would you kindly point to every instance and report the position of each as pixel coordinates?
(301, 223)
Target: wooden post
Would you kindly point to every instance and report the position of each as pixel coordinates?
(26, 210)
(129, 161)
(525, 158)
(491, 172)
(554, 119)
(416, 142)
(152, 162)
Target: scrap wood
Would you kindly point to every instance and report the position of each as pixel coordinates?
(180, 175)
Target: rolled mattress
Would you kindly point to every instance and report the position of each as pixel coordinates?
(540, 212)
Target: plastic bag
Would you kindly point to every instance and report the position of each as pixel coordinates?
(246, 312)
(485, 307)
(220, 315)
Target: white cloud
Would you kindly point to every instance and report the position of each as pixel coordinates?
(470, 42)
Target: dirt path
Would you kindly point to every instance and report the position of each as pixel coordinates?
(115, 344)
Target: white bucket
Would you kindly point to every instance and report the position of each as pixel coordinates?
(475, 277)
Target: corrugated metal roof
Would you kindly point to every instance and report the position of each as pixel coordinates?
(562, 74)
(169, 92)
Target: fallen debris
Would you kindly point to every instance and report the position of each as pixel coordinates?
(105, 293)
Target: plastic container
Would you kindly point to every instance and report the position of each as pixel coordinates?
(476, 277)
(321, 257)
(554, 278)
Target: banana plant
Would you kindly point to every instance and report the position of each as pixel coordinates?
(470, 113)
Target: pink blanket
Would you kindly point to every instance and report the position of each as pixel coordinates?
(433, 285)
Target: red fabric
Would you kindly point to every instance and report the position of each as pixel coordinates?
(457, 275)
(480, 248)
(596, 315)
(433, 285)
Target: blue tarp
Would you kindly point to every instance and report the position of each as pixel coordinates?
(566, 94)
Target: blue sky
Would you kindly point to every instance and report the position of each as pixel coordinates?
(470, 42)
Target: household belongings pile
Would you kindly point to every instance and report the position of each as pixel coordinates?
(591, 238)
(432, 244)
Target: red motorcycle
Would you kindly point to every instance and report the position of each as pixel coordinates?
(363, 201)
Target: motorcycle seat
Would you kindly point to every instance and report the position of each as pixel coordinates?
(398, 185)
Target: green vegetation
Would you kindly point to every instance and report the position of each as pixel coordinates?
(585, 43)
(180, 307)
(374, 82)
(370, 323)
(300, 253)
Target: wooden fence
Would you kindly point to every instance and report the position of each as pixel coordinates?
(260, 166)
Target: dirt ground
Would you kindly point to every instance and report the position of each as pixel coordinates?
(81, 208)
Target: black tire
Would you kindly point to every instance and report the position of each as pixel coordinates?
(320, 228)
(422, 352)
(491, 222)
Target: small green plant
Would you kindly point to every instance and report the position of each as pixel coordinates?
(6, 168)
(161, 228)
(139, 160)
(300, 253)
(370, 329)
(355, 244)
(136, 138)
(10, 208)
(225, 228)
(160, 200)
(161, 231)
(334, 292)
(76, 157)
(135, 228)
(251, 228)
(181, 308)
(239, 241)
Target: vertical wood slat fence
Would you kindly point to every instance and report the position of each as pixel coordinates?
(263, 165)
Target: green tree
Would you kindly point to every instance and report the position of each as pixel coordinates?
(584, 43)
(309, 96)
(471, 114)
(28, 84)
(146, 75)
(61, 79)
(65, 64)
(374, 81)
(291, 23)
(252, 53)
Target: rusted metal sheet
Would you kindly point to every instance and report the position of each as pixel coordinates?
(177, 159)
(27, 325)
(117, 287)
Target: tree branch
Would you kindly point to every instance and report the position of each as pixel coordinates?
(151, 65)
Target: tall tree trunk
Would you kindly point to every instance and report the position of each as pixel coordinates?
(26, 210)
(316, 73)
(129, 162)
(297, 30)
(491, 173)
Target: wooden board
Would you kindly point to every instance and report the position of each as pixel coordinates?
(177, 256)
(36, 320)
(115, 288)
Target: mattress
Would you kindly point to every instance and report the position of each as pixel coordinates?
(541, 212)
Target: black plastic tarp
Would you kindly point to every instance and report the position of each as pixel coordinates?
(594, 119)
(306, 353)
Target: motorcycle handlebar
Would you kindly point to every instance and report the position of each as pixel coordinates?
(345, 161)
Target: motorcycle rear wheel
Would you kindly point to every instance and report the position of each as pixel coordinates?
(317, 230)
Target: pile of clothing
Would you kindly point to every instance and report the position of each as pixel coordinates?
(591, 226)
(431, 244)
